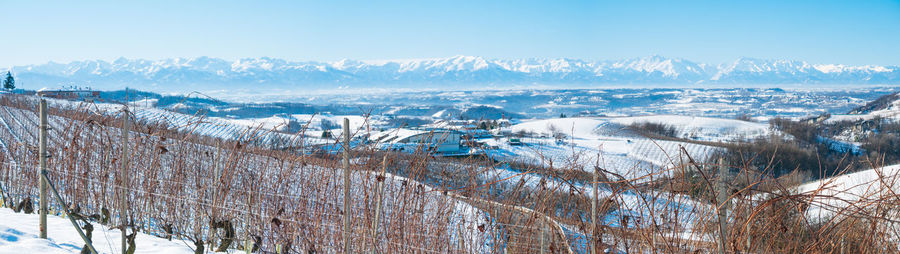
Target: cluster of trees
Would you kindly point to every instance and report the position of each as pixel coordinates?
(882, 139)
(808, 149)
(488, 124)
(805, 132)
(879, 138)
(556, 132)
(658, 129)
(777, 156)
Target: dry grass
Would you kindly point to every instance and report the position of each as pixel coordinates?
(223, 193)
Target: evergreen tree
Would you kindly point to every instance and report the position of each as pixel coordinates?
(10, 82)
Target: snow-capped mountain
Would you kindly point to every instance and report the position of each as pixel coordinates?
(184, 74)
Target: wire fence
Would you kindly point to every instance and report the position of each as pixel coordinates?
(237, 194)
(191, 187)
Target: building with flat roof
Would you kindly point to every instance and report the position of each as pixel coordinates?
(434, 140)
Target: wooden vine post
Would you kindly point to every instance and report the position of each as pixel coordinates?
(722, 207)
(43, 167)
(591, 240)
(379, 189)
(346, 163)
(45, 185)
(124, 180)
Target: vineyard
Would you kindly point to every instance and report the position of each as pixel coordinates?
(199, 188)
(221, 188)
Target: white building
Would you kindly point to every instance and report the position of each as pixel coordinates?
(74, 93)
(434, 140)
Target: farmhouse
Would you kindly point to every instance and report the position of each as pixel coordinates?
(434, 140)
(75, 93)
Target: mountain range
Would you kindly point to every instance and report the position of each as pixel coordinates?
(458, 72)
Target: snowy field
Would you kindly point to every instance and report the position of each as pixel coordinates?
(19, 235)
(600, 142)
(703, 128)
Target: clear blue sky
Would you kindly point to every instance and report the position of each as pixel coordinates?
(849, 32)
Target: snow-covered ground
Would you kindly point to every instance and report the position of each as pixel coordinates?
(892, 111)
(835, 194)
(19, 234)
(870, 194)
(703, 128)
(588, 141)
(593, 141)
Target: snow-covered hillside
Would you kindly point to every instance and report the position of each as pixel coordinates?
(203, 73)
(889, 110)
(590, 141)
(842, 194)
(869, 194)
(703, 128)
(853, 129)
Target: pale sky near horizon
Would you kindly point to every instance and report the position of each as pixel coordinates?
(840, 32)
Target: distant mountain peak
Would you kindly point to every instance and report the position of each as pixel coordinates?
(456, 72)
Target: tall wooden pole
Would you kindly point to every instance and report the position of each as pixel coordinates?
(591, 240)
(123, 202)
(722, 208)
(248, 244)
(43, 165)
(379, 188)
(346, 149)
